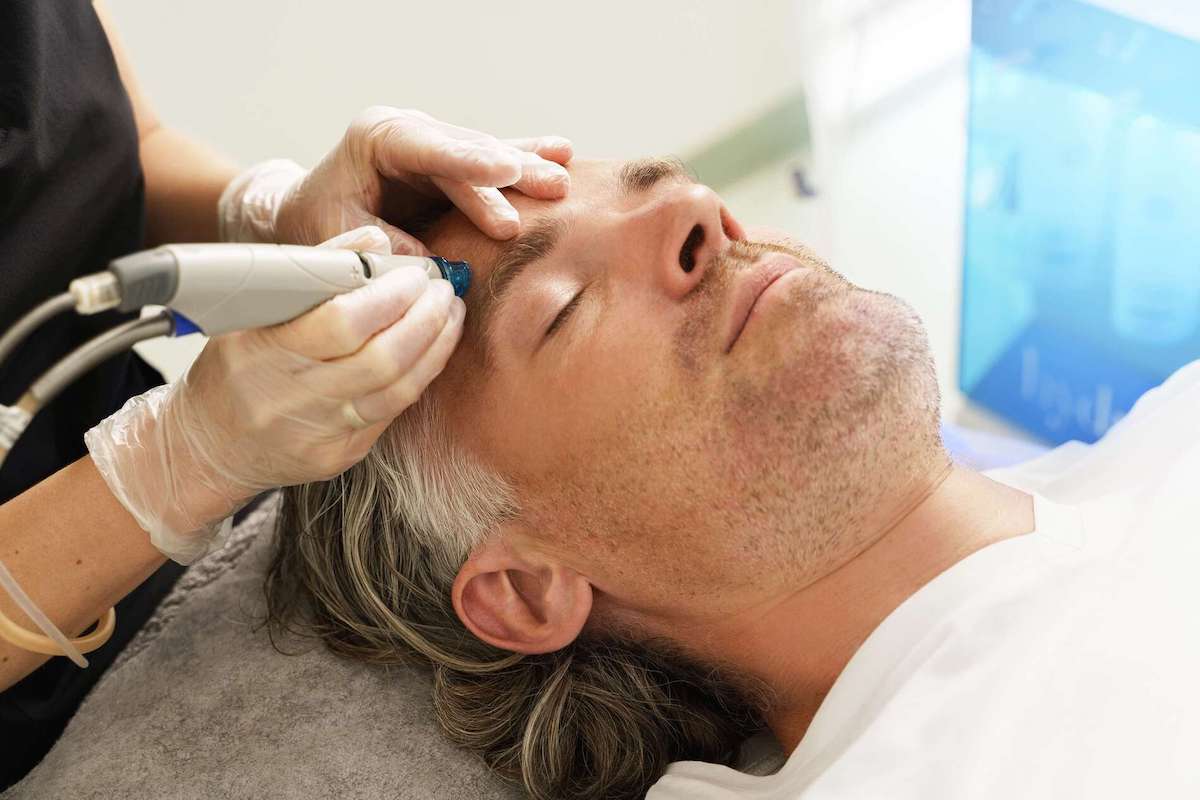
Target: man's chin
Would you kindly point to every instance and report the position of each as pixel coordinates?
(817, 347)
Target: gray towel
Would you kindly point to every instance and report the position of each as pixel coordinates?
(201, 706)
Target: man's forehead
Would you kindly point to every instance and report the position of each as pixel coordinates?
(453, 236)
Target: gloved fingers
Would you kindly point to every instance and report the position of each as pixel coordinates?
(403, 143)
(401, 243)
(485, 206)
(393, 351)
(385, 239)
(343, 324)
(552, 148)
(388, 403)
(542, 179)
(367, 239)
(542, 175)
(361, 439)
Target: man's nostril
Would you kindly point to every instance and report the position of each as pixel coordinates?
(687, 253)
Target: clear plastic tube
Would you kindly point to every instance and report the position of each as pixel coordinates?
(40, 619)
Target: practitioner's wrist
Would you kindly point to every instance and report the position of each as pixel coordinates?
(178, 497)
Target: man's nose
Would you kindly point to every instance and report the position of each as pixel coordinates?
(685, 229)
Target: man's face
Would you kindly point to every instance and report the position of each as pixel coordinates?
(689, 418)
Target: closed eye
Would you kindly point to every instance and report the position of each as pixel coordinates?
(564, 314)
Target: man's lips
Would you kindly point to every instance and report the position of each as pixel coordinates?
(746, 291)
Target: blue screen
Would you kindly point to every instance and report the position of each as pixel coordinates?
(1081, 273)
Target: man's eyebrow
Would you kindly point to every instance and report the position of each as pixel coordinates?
(533, 244)
(641, 175)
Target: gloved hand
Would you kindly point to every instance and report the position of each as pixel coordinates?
(295, 402)
(391, 168)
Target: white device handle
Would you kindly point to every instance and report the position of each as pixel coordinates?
(226, 287)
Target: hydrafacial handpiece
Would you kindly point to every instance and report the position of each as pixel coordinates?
(210, 288)
(217, 288)
(207, 288)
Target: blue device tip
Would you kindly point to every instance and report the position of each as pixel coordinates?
(457, 272)
(183, 325)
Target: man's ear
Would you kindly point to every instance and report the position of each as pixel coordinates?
(520, 600)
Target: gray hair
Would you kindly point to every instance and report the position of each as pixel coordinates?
(365, 561)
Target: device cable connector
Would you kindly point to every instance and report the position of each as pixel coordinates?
(95, 293)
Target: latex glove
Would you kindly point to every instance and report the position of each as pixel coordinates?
(393, 167)
(283, 405)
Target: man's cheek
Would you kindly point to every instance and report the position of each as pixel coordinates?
(594, 386)
(596, 389)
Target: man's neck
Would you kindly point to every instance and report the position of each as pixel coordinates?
(801, 644)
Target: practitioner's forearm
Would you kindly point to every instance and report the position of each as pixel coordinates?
(184, 177)
(74, 550)
(184, 181)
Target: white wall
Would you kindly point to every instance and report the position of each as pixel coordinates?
(265, 78)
